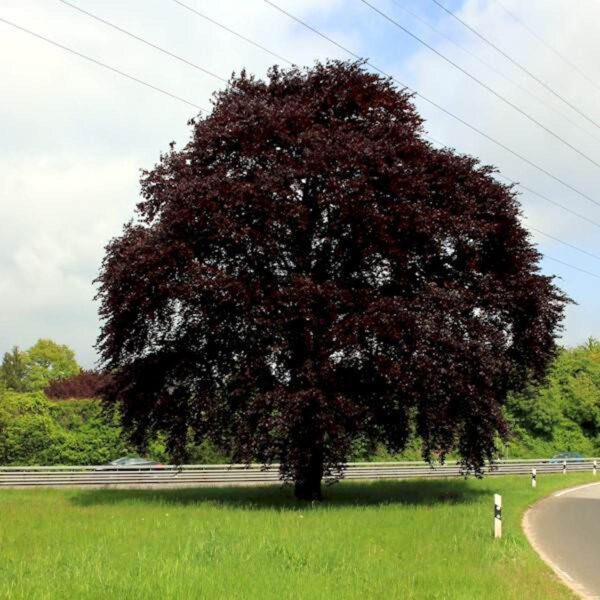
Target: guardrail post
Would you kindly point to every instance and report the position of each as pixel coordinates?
(497, 516)
(564, 467)
(595, 467)
(533, 477)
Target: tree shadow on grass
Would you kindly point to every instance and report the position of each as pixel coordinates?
(409, 493)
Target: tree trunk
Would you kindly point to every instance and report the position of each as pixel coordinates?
(307, 482)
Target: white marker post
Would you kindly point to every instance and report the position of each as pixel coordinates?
(595, 467)
(564, 467)
(497, 516)
(533, 478)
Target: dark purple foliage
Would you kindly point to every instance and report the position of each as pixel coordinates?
(86, 384)
(308, 270)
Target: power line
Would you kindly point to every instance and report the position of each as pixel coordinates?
(331, 40)
(490, 66)
(101, 64)
(566, 264)
(173, 55)
(557, 239)
(531, 191)
(514, 62)
(151, 86)
(144, 41)
(484, 85)
(237, 34)
(436, 105)
(558, 204)
(542, 41)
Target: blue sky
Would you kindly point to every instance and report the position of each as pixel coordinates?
(74, 136)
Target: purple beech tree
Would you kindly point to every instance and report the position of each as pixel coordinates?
(85, 384)
(308, 271)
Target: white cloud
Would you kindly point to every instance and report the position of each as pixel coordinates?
(56, 217)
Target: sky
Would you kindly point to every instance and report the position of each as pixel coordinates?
(74, 135)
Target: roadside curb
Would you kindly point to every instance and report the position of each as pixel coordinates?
(573, 585)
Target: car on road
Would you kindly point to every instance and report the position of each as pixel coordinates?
(130, 462)
(568, 456)
(134, 461)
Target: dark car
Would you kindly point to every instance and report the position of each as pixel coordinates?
(568, 456)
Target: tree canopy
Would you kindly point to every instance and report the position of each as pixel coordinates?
(308, 270)
(83, 384)
(564, 412)
(13, 370)
(34, 369)
(46, 361)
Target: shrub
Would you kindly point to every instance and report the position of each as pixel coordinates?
(36, 431)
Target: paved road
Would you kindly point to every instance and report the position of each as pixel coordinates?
(565, 529)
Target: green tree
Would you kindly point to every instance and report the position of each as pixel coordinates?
(564, 412)
(13, 370)
(46, 361)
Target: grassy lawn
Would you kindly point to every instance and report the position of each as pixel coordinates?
(411, 539)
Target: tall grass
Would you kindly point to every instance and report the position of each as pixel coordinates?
(411, 539)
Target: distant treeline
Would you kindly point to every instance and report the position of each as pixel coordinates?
(50, 413)
(564, 413)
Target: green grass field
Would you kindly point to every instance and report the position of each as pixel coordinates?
(411, 539)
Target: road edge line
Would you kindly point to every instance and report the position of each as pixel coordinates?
(572, 584)
(572, 489)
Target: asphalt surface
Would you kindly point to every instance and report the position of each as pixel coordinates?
(565, 529)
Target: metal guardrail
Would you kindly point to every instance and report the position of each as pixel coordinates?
(236, 474)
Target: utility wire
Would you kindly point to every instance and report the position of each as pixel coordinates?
(556, 239)
(484, 85)
(140, 39)
(101, 64)
(542, 41)
(491, 67)
(573, 246)
(566, 264)
(438, 106)
(137, 80)
(239, 35)
(515, 62)
(558, 204)
(180, 58)
(530, 190)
